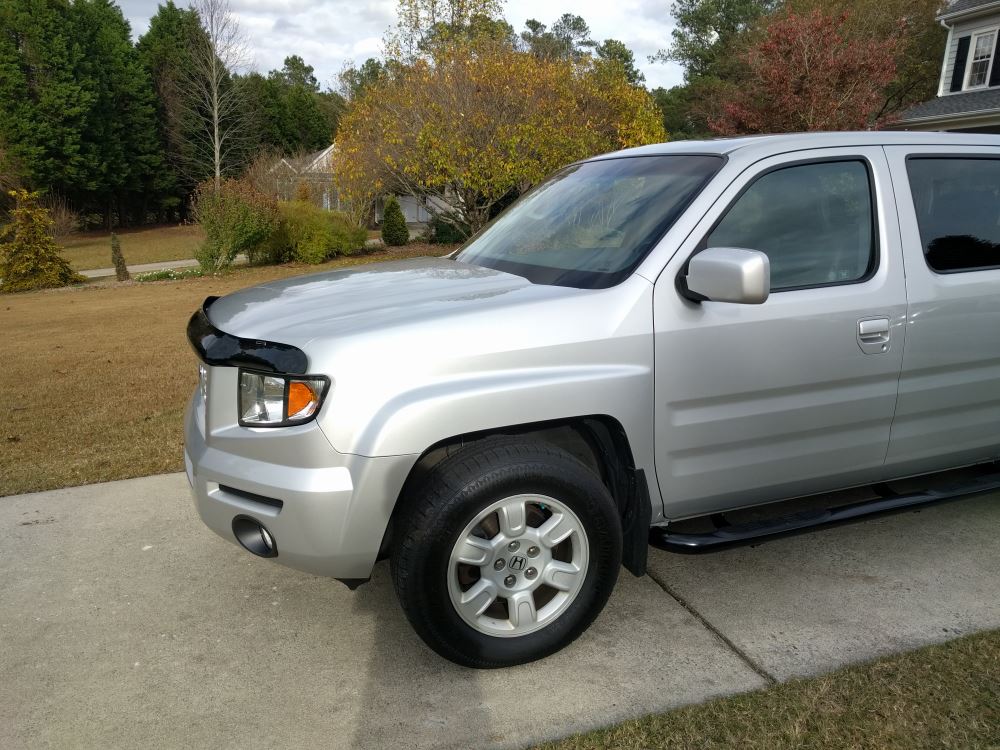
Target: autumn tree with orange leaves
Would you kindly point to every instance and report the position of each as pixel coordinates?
(806, 74)
(476, 122)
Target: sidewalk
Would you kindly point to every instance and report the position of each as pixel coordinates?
(100, 273)
(127, 623)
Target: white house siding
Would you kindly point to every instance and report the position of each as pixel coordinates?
(413, 210)
(960, 29)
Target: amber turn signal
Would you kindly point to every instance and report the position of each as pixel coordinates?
(302, 399)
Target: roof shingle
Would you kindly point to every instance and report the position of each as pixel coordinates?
(955, 104)
(960, 6)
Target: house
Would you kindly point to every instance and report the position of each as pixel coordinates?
(287, 178)
(968, 99)
(290, 176)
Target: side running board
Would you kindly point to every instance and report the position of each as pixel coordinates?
(754, 532)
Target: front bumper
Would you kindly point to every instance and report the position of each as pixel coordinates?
(332, 509)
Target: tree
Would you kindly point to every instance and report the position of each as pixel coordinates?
(480, 122)
(165, 54)
(423, 25)
(286, 111)
(31, 259)
(354, 81)
(614, 52)
(920, 48)
(806, 75)
(296, 73)
(118, 260)
(211, 95)
(119, 143)
(709, 31)
(394, 230)
(43, 105)
(569, 38)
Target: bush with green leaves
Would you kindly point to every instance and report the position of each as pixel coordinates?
(30, 259)
(309, 234)
(394, 229)
(237, 218)
(446, 231)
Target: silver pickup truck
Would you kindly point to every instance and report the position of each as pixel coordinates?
(674, 332)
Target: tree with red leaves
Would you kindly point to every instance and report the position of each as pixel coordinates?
(806, 74)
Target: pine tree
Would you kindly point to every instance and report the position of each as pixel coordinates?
(43, 106)
(394, 230)
(118, 144)
(121, 270)
(164, 54)
(31, 260)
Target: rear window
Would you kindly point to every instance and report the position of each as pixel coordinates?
(957, 201)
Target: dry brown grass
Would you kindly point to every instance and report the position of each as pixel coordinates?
(93, 249)
(937, 698)
(98, 377)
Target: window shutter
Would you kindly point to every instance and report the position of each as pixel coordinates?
(961, 58)
(995, 75)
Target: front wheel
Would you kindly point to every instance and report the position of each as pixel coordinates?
(506, 553)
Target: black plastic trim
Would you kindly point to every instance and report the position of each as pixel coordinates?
(635, 527)
(353, 583)
(797, 523)
(221, 349)
(253, 497)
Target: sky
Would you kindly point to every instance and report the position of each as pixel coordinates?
(328, 33)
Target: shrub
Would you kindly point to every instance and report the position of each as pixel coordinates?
(394, 230)
(170, 274)
(121, 270)
(236, 219)
(311, 235)
(448, 232)
(31, 259)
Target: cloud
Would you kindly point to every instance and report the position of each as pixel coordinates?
(326, 33)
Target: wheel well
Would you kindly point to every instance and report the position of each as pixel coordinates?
(597, 441)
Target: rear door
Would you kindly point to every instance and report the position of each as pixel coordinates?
(948, 412)
(762, 402)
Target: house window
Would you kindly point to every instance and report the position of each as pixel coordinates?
(982, 59)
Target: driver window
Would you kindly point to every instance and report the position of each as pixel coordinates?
(813, 221)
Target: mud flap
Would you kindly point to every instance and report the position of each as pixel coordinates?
(635, 527)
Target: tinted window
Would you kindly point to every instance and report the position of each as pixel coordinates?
(958, 211)
(591, 224)
(814, 222)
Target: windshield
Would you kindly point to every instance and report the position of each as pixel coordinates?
(590, 225)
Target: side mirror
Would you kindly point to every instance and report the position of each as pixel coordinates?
(729, 274)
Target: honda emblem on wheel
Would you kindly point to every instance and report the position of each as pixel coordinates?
(517, 563)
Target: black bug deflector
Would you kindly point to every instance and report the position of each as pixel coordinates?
(221, 349)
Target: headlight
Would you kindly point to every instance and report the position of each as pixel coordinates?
(279, 400)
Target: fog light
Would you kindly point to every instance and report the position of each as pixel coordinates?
(253, 537)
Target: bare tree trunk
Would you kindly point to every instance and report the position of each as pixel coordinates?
(211, 96)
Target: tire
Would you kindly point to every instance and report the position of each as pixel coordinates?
(570, 536)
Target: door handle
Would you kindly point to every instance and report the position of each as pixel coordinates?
(873, 335)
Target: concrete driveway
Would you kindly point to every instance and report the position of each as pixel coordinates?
(125, 623)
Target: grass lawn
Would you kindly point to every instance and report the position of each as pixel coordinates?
(940, 697)
(93, 249)
(97, 377)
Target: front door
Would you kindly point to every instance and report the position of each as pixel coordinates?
(762, 402)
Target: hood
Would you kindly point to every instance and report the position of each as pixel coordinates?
(370, 297)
